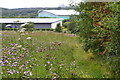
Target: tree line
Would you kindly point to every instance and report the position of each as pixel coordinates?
(27, 12)
(98, 29)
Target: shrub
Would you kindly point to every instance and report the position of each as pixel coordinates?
(2, 27)
(29, 26)
(100, 31)
(58, 28)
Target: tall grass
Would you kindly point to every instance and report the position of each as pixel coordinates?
(47, 55)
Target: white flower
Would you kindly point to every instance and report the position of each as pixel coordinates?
(30, 73)
(19, 38)
(26, 73)
(28, 38)
(22, 34)
(22, 25)
(23, 48)
(22, 30)
(19, 46)
(48, 62)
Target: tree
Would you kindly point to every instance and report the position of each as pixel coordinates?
(100, 31)
(2, 26)
(58, 28)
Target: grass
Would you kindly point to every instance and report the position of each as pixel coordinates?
(48, 55)
(0, 54)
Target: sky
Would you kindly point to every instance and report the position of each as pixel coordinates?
(33, 3)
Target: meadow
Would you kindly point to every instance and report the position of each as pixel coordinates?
(47, 54)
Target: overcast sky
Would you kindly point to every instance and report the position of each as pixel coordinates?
(33, 3)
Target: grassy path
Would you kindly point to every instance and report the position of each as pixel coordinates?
(48, 55)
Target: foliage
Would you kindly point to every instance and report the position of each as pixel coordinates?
(99, 29)
(58, 28)
(26, 12)
(2, 27)
(29, 26)
(71, 24)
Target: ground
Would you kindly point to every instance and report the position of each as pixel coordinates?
(47, 54)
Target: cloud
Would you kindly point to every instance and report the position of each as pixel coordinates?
(31, 3)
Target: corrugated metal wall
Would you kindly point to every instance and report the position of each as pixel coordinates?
(36, 25)
(43, 26)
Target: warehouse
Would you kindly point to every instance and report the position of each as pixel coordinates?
(41, 23)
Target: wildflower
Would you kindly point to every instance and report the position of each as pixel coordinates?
(26, 68)
(9, 58)
(72, 74)
(47, 54)
(40, 50)
(54, 78)
(27, 73)
(9, 72)
(30, 73)
(15, 44)
(45, 65)
(28, 38)
(6, 61)
(51, 64)
(13, 48)
(21, 55)
(26, 62)
(15, 62)
(13, 54)
(4, 56)
(0, 62)
(23, 24)
(21, 66)
(31, 65)
(19, 46)
(12, 44)
(50, 69)
(3, 65)
(23, 48)
(48, 62)
(13, 58)
(17, 72)
(19, 38)
(59, 43)
(61, 64)
(22, 30)
(54, 74)
(22, 34)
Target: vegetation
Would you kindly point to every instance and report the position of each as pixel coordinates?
(71, 25)
(21, 12)
(2, 27)
(99, 30)
(25, 12)
(28, 26)
(91, 52)
(47, 55)
(58, 28)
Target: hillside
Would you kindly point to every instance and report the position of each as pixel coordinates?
(26, 12)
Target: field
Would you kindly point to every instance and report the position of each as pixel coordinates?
(47, 54)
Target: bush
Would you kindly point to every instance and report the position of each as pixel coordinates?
(58, 28)
(2, 27)
(29, 26)
(100, 31)
(43, 29)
